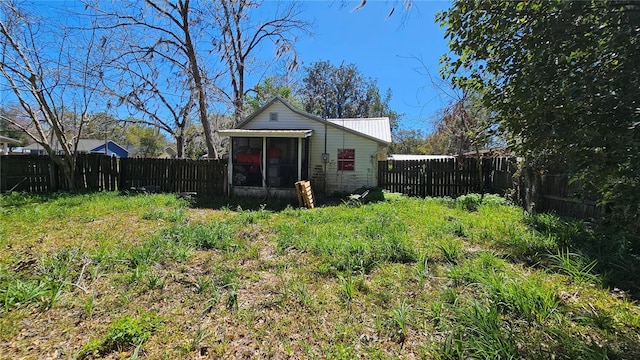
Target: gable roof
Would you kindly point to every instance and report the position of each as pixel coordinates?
(269, 103)
(112, 145)
(376, 129)
(8, 140)
(84, 145)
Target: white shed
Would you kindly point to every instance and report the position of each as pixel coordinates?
(279, 145)
(6, 143)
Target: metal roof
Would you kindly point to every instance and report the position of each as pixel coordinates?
(378, 128)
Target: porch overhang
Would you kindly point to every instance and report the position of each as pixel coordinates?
(301, 134)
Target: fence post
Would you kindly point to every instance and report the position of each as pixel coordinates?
(3, 179)
(123, 173)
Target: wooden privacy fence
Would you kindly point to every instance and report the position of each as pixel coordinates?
(174, 175)
(498, 173)
(433, 177)
(22, 173)
(96, 172)
(567, 198)
(454, 177)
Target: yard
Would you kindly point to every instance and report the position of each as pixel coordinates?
(125, 276)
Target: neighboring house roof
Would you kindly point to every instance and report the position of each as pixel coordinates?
(84, 145)
(34, 146)
(418, 157)
(171, 151)
(113, 148)
(8, 140)
(371, 128)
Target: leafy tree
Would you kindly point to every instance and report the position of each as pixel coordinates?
(562, 78)
(343, 92)
(265, 91)
(148, 141)
(411, 141)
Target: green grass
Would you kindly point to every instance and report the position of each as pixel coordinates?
(124, 333)
(120, 276)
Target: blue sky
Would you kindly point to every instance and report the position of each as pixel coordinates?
(397, 51)
(391, 50)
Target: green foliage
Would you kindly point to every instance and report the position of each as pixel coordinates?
(451, 251)
(471, 202)
(21, 292)
(422, 272)
(560, 77)
(347, 238)
(220, 235)
(344, 92)
(411, 141)
(44, 286)
(303, 295)
(482, 334)
(9, 130)
(574, 265)
(148, 141)
(265, 91)
(529, 298)
(347, 288)
(401, 315)
(232, 297)
(125, 333)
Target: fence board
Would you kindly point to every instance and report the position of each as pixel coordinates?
(97, 172)
(454, 177)
(436, 177)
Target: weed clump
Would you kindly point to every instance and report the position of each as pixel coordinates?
(471, 202)
(124, 334)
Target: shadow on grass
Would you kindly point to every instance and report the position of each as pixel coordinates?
(241, 202)
(276, 204)
(19, 199)
(612, 252)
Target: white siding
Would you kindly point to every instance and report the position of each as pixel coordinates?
(366, 150)
(365, 173)
(287, 119)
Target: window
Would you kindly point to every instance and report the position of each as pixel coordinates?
(273, 116)
(346, 159)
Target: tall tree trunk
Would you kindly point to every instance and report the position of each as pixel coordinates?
(198, 83)
(180, 145)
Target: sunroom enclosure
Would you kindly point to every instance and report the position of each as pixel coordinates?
(268, 158)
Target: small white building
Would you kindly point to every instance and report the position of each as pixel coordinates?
(6, 143)
(279, 145)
